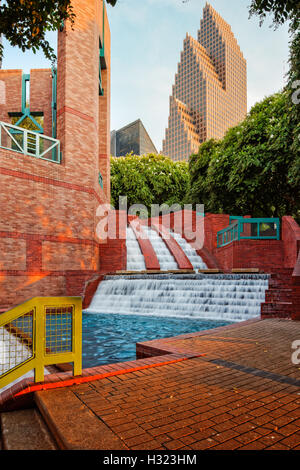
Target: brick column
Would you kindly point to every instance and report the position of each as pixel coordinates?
(296, 291)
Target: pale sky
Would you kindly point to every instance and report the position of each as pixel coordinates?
(147, 38)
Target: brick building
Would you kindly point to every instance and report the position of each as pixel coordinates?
(48, 242)
(210, 91)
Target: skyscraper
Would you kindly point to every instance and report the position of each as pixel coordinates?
(210, 91)
(131, 138)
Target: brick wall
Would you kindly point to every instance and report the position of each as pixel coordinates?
(291, 239)
(296, 291)
(267, 255)
(48, 241)
(13, 93)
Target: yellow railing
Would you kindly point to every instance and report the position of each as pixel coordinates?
(41, 332)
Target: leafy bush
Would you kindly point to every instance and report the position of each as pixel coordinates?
(149, 179)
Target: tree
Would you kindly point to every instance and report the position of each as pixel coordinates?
(252, 170)
(25, 23)
(282, 11)
(149, 179)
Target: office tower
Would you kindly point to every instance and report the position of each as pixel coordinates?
(210, 91)
(131, 138)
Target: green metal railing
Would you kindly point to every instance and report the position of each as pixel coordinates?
(249, 229)
(29, 143)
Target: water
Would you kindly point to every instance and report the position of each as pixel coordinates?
(108, 339)
(225, 297)
(135, 258)
(190, 252)
(165, 258)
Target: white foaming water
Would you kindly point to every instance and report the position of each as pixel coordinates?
(190, 252)
(211, 297)
(165, 258)
(135, 258)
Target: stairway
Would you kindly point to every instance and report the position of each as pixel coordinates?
(25, 430)
(58, 420)
(278, 302)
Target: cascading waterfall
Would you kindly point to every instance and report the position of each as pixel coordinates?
(228, 297)
(165, 258)
(190, 252)
(135, 258)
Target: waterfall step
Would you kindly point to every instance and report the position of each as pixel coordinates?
(179, 271)
(229, 297)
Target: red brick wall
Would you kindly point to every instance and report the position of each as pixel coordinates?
(48, 242)
(291, 239)
(13, 93)
(113, 252)
(104, 110)
(266, 255)
(296, 291)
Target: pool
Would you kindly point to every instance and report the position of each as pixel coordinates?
(107, 339)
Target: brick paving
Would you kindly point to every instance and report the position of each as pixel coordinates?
(244, 394)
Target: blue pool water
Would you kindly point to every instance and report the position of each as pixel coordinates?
(111, 338)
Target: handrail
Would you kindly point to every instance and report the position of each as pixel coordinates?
(248, 229)
(29, 143)
(41, 332)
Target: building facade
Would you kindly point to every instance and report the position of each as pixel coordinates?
(48, 209)
(131, 138)
(210, 91)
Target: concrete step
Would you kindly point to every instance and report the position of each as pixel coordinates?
(73, 425)
(25, 430)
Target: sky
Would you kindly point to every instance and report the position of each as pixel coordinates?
(147, 38)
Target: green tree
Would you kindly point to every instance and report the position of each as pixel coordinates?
(251, 169)
(281, 10)
(24, 23)
(149, 179)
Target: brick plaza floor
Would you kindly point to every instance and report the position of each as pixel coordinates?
(244, 394)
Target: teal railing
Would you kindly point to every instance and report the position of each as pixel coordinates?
(249, 229)
(29, 142)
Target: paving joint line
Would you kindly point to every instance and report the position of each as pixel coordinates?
(257, 372)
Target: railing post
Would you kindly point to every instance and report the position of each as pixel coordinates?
(25, 142)
(37, 145)
(77, 337)
(39, 341)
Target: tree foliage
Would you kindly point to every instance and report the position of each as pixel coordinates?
(252, 170)
(281, 10)
(25, 23)
(149, 179)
